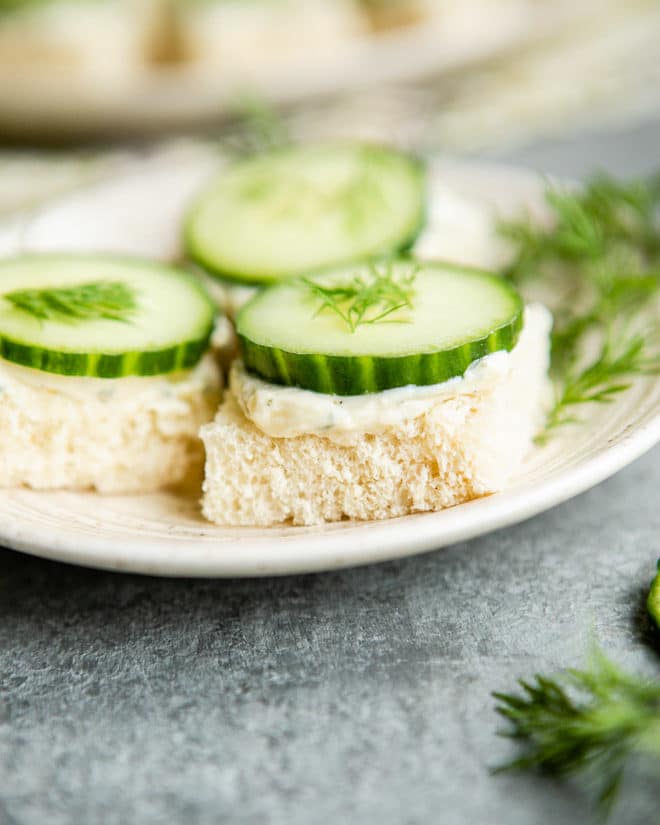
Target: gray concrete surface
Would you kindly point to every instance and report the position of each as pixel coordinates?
(359, 696)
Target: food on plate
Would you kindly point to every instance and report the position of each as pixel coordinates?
(99, 39)
(65, 47)
(376, 390)
(304, 208)
(240, 37)
(392, 14)
(105, 377)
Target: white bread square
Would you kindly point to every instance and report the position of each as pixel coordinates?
(466, 446)
(117, 437)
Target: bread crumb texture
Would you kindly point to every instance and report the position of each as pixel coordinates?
(136, 439)
(466, 446)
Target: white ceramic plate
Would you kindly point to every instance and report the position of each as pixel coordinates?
(165, 535)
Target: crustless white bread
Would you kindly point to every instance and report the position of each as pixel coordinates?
(467, 445)
(114, 436)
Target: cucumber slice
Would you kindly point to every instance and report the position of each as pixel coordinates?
(654, 599)
(417, 323)
(101, 316)
(303, 209)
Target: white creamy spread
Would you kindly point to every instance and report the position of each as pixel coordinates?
(283, 412)
(204, 377)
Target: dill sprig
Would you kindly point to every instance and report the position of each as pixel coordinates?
(109, 300)
(619, 359)
(589, 225)
(259, 127)
(600, 257)
(369, 298)
(589, 722)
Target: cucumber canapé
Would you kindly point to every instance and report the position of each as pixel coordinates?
(306, 208)
(373, 327)
(101, 316)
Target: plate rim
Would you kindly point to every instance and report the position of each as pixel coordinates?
(369, 542)
(191, 559)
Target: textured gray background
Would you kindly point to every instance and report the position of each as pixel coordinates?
(353, 697)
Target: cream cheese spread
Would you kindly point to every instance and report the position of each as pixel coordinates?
(204, 377)
(283, 412)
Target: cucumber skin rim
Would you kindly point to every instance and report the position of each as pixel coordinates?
(404, 244)
(100, 365)
(145, 363)
(339, 374)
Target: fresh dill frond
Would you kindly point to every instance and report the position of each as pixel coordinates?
(109, 300)
(619, 360)
(588, 722)
(369, 298)
(259, 127)
(604, 218)
(600, 253)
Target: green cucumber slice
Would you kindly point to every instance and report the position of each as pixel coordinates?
(654, 599)
(101, 316)
(306, 208)
(417, 323)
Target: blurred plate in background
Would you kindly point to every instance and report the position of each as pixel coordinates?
(70, 68)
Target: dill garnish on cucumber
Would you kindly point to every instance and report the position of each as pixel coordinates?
(109, 300)
(101, 316)
(366, 300)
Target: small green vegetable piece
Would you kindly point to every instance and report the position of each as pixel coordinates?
(372, 327)
(303, 209)
(101, 316)
(110, 300)
(654, 599)
(584, 722)
(369, 300)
